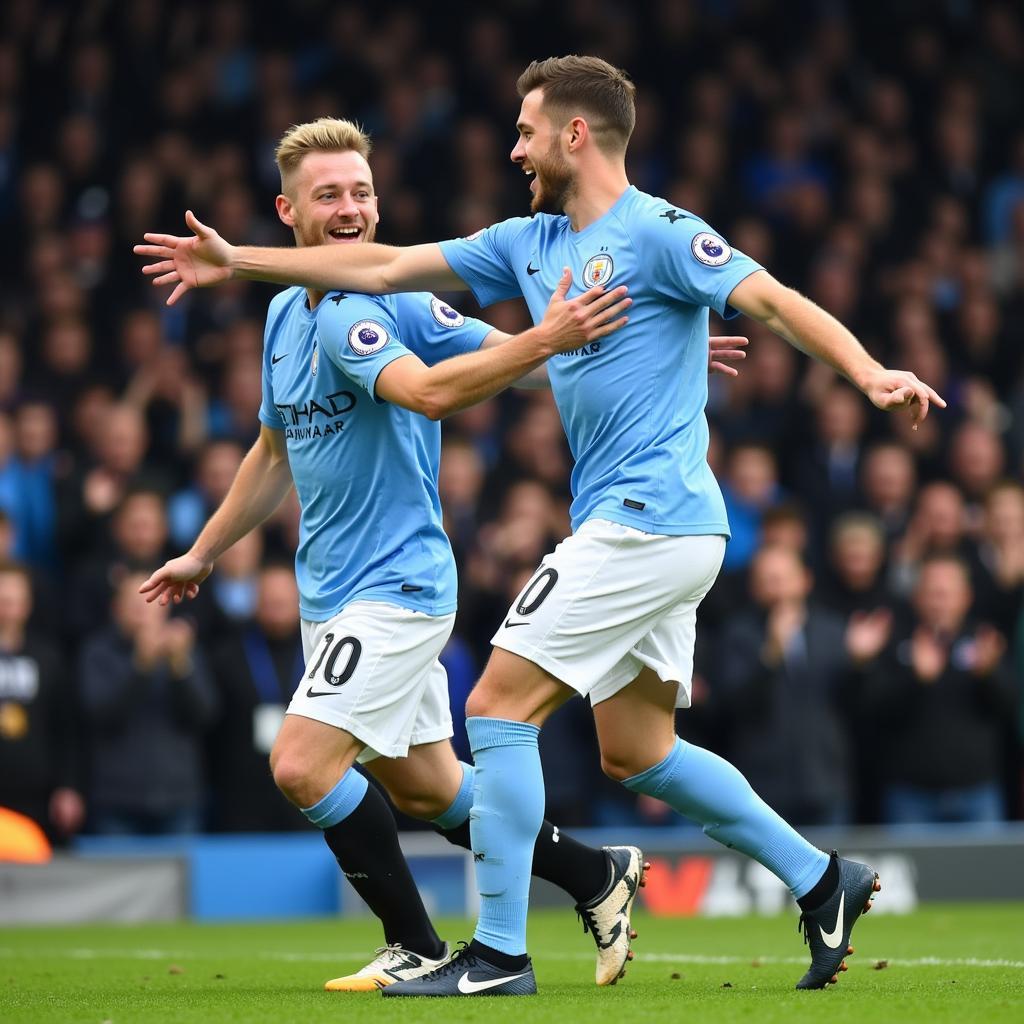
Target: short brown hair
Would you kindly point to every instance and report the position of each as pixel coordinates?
(324, 135)
(586, 85)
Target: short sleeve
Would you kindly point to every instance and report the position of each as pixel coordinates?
(269, 414)
(434, 330)
(360, 336)
(484, 260)
(689, 261)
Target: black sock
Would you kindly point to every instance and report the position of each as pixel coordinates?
(506, 961)
(365, 844)
(580, 870)
(823, 888)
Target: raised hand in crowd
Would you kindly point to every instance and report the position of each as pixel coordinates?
(867, 633)
(785, 620)
(988, 651)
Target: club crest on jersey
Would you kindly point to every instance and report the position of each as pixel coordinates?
(367, 337)
(445, 315)
(314, 363)
(710, 250)
(598, 270)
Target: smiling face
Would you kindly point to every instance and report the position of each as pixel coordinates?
(329, 200)
(539, 153)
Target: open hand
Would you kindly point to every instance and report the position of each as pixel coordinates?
(177, 579)
(867, 633)
(722, 352)
(572, 323)
(197, 261)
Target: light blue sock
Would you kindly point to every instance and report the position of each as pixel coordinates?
(346, 796)
(460, 807)
(508, 808)
(707, 789)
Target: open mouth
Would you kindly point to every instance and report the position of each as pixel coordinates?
(347, 233)
(534, 180)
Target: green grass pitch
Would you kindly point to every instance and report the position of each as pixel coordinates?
(951, 963)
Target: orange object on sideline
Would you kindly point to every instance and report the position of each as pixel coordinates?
(22, 840)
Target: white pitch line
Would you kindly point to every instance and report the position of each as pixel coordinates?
(670, 958)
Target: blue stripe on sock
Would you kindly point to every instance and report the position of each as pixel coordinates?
(499, 732)
(340, 802)
(460, 807)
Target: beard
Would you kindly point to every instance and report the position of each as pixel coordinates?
(555, 183)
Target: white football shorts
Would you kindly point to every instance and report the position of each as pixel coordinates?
(610, 600)
(373, 671)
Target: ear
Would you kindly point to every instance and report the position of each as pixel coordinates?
(577, 132)
(285, 210)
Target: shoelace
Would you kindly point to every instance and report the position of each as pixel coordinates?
(453, 964)
(589, 922)
(393, 951)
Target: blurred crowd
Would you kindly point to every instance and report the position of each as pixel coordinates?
(861, 658)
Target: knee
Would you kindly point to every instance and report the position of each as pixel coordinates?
(515, 690)
(480, 704)
(619, 765)
(293, 778)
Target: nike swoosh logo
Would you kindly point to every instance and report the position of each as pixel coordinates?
(531, 269)
(467, 987)
(834, 938)
(325, 693)
(509, 623)
(274, 360)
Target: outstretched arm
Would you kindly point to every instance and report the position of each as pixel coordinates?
(819, 334)
(204, 259)
(262, 481)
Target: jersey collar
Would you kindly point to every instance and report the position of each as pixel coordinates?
(601, 222)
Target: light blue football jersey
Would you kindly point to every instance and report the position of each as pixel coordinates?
(633, 403)
(365, 470)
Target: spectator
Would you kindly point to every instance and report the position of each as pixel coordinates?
(976, 463)
(460, 483)
(39, 755)
(782, 685)
(89, 495)
(939, 526)
(256, 669)
(830, 465)
(148, 700)
(1001, 554)
(855, 581)
(941, 694)
(36, 436)
(137, 538)
(751, 485)
(189, 508)
(230, 596)
(888, 481)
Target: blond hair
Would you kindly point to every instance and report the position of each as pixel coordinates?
(324, 135)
